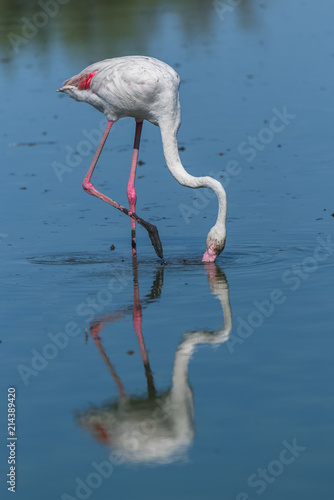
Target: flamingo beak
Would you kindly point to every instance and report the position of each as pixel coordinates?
(66, 88)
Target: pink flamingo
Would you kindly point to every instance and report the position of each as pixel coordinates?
(146, 89)
(158, 427)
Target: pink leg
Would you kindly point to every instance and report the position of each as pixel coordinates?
(90, 189)
(131, 192)
(94, 331)
(137, 317)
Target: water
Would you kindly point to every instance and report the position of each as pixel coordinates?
(180, 380)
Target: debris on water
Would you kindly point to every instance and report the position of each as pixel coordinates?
(112, 247)
(23, 188)
(130, 352)
(320, 218)
(185, 261)
(181, 148)
(37, 143)
(333, 215)
(221, 154)
(279, 145)
(141, 162)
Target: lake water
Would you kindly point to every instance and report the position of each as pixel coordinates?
(184, 381)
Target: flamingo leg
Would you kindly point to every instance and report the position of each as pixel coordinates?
(137, 318)
(94, 331)
(131, 192)
(90, 189)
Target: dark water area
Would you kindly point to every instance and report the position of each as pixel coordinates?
(138, 379)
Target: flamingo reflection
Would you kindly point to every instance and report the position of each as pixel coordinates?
(157, 428)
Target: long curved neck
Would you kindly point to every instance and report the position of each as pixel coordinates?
(181, 401)
(170, 147)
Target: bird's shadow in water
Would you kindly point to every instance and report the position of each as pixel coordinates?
(157, 428)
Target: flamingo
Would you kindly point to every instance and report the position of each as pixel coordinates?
(158, 427)
(146, 89)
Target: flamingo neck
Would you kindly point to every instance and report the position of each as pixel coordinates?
(170, 148)
(181, 401)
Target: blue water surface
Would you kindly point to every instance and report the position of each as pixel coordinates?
(176, 380)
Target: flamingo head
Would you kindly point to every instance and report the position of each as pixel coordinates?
(215, 244)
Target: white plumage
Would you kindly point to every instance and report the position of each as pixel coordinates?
(146, 89)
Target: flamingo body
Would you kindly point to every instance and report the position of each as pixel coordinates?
(146, 89)
(140, 87)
